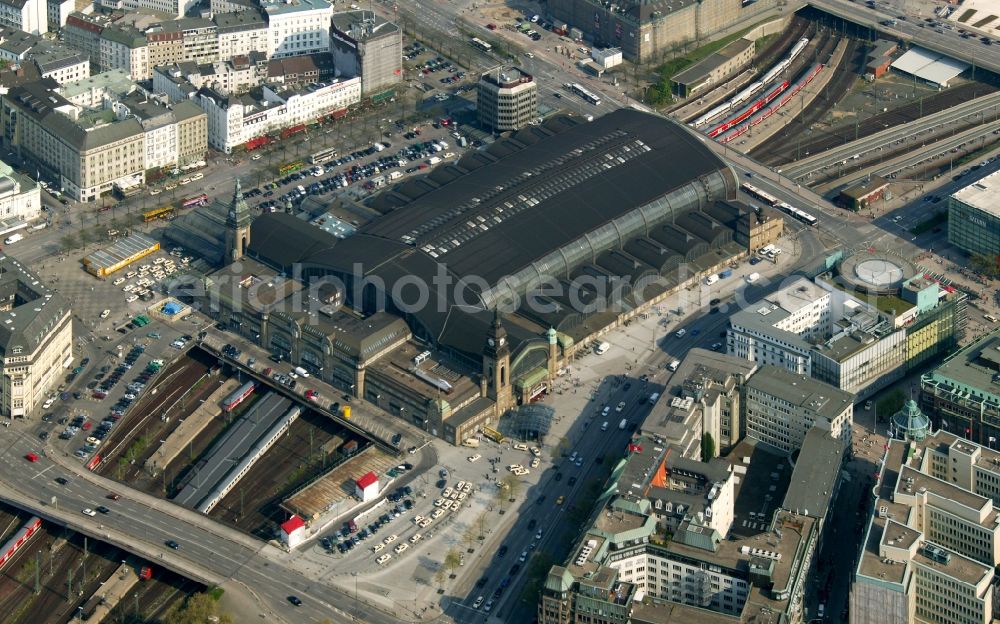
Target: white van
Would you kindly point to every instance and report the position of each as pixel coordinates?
(602, 348)
(673, 365)
(753, 277)
(680, 333)
(653, 398)
(711, 279)
(990, 318)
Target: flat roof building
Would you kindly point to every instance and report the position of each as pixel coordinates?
(974, 217)
(961, 395)
(782, 407)
(715, 68)
(368, 46)
(507, 99)
(930, 544)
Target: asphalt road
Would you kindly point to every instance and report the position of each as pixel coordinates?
(143, 524)
(948, 42)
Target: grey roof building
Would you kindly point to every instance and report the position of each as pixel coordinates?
(36, 338)
(783, 407)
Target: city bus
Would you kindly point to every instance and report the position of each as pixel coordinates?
(323, 156)
(582, 92)
(163, 212)
(479, 43)
(195, 201)
(290, 167)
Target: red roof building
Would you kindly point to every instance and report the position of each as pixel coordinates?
(366, 487)
(293, 531)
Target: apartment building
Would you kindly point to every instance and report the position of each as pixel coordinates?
(364, 44)
(930, 544)
(241, 33)
(125, 48)
(297, 27)
(31, 16)
(58, 11)
(782, 407)
(174, 136)
(704, 396)
(36, 339)
(181, 81)
(233, 120)
(507, 99)
(94, 91)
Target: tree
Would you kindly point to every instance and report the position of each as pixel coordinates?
(707, 447)
(439, 577)
(560, 449)
(890, 404)
(481, 521)
(513, 485)
(501, 495)
(197, 609)
(986, 265)
(452, 560)
(469, 536)
(69, 242)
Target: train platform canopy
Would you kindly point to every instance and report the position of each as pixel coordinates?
(931, 67)
(120, 254)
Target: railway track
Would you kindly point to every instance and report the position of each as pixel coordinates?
(782, 147)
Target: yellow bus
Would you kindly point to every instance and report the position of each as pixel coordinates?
(493, 434)
(164, 212)
(290, 167)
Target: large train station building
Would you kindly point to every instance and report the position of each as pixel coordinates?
(473, 286)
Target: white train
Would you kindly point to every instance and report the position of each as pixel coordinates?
(748, 92)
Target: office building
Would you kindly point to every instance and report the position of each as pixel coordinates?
(91, 151)
(125, 48)
(782, 407)
(36, 339)
(646, 30)
(94, 91)
(961, 395)
(507, 99)
(174, 136)
(365, 45)
(974, 217)
(665, 542)
(52, 59)
(58, 11)
(930, 543)
(296, 27)
(704, 397)
(858, 327)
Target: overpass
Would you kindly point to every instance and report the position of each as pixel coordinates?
(971, 51)
(139, 523)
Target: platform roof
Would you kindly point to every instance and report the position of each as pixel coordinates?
(931, 66)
